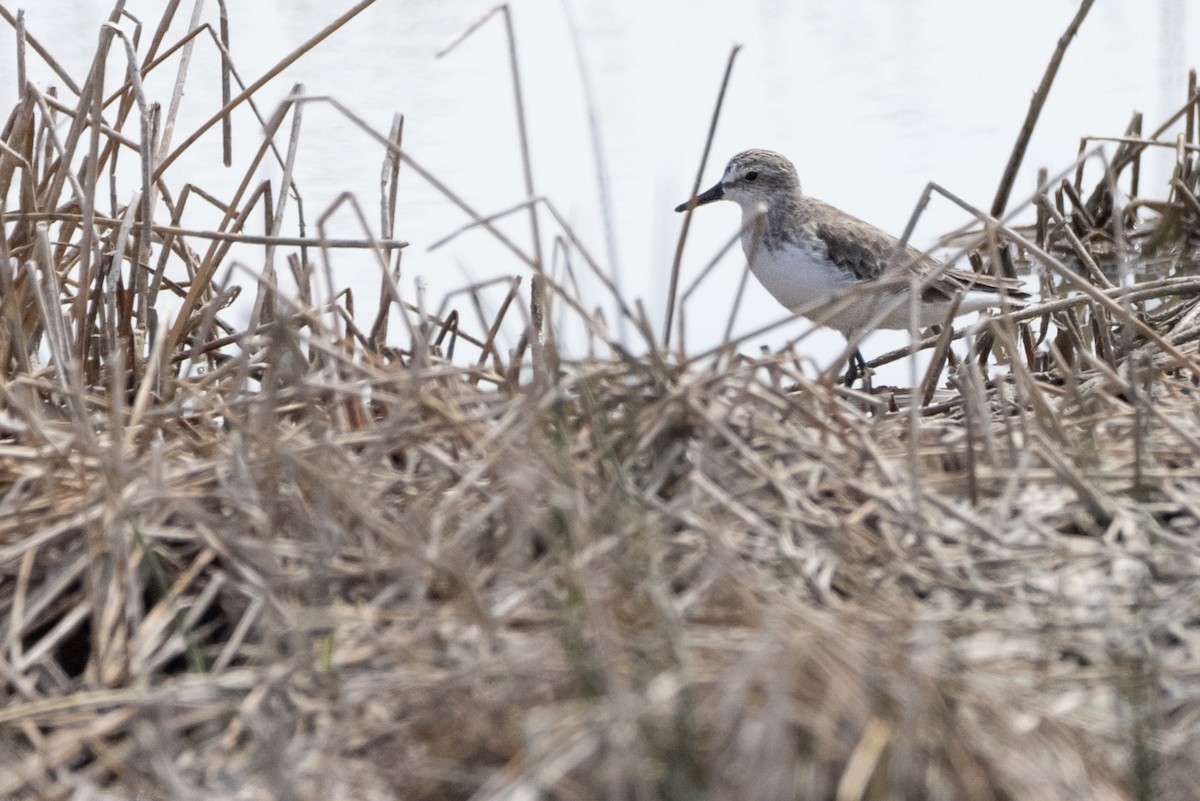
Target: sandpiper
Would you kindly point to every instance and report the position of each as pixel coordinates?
(811, 257)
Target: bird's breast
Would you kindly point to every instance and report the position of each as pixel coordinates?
(796, 274)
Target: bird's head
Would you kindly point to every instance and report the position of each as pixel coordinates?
(752, 179)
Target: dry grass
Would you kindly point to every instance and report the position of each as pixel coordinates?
(290, 561)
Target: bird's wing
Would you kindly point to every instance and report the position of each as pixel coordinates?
(866, 252)
(853, 245)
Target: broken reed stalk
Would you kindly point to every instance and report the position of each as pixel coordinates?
(1000, 203)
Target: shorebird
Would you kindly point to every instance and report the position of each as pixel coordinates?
(812, 256)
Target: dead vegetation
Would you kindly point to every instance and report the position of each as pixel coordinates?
(294, 559)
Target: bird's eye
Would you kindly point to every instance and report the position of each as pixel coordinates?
(752, 175)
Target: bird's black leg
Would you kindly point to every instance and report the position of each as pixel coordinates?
(856, 368)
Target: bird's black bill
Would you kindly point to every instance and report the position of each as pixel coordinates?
(716, 193)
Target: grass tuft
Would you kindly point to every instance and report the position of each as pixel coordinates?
(329, 553)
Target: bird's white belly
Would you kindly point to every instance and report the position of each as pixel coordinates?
(798, 275)
(801, 278)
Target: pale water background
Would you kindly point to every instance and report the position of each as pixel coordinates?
(871, 99)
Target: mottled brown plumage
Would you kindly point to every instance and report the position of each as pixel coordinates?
(809, 254)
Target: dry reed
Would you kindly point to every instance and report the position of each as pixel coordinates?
(293, 559)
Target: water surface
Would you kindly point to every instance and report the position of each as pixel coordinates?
(871, 99)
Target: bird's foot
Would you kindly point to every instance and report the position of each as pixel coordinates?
(858, 369)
